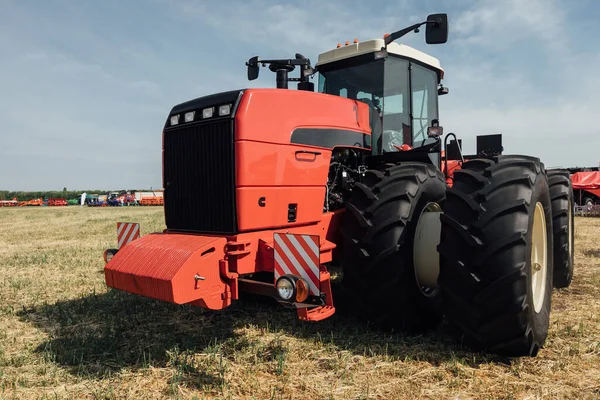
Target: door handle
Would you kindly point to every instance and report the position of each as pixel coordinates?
(306, 155)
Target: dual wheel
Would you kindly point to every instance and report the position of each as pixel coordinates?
(484, 253)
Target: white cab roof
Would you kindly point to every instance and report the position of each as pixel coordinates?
(371, 46)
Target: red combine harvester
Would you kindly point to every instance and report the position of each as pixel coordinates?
(265, 190)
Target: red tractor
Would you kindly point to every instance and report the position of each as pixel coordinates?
(266, 189)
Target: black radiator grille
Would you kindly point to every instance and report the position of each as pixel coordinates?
(199, 178)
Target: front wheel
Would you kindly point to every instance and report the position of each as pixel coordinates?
(391, 230)
(496, 254)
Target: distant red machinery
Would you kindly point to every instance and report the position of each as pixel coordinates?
(9, 203)
(152, 201)
(53, 202)
(586, 185)
(57, 202)
(34, 202)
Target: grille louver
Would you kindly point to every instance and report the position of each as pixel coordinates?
(199, 177)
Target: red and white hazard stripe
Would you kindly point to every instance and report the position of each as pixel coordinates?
(127, 232)
(298, 255)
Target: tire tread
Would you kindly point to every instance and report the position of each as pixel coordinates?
(490, 309)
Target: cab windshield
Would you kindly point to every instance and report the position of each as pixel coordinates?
(394, 93)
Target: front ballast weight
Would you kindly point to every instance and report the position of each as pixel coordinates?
(211, 272)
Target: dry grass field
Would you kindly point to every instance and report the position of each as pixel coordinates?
(64, 335)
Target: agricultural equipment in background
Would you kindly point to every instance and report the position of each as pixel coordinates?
(152, 201)
(52, 202)
(9, 203)
(150, 198)
(121, 199)
(96, 201)
(116, 199)
(586, 187)
(57, 202)
(32, 203)
(265, 190)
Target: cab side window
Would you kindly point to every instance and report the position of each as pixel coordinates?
(424, 101)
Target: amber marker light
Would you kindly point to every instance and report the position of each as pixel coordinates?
(301, 290)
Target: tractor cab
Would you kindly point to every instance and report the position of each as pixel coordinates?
(400, 84)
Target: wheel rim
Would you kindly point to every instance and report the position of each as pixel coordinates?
(539, 259)
(420, 275)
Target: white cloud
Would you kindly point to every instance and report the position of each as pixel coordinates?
(534, 87)
(503, 24)
(309, 27)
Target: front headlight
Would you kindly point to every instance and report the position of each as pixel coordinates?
(189, 116)
(109, 254)
(292, 288)
(208, 112)
(285, 288)
(224, 110)
(174, 119)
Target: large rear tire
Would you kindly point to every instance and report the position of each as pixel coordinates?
(496, 255)
(379, 276)
(563, 219)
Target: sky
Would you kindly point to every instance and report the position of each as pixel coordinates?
(86, 86)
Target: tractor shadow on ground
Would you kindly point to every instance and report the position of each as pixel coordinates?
(97, 335)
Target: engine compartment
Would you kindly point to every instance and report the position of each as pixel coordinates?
(344, 171)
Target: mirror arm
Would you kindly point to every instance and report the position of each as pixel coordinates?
(398, 34)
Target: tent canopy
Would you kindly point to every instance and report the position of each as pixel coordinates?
(588, 181)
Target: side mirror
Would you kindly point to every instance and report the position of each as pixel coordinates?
(253, 68)
(436, 31)
(435, 130)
